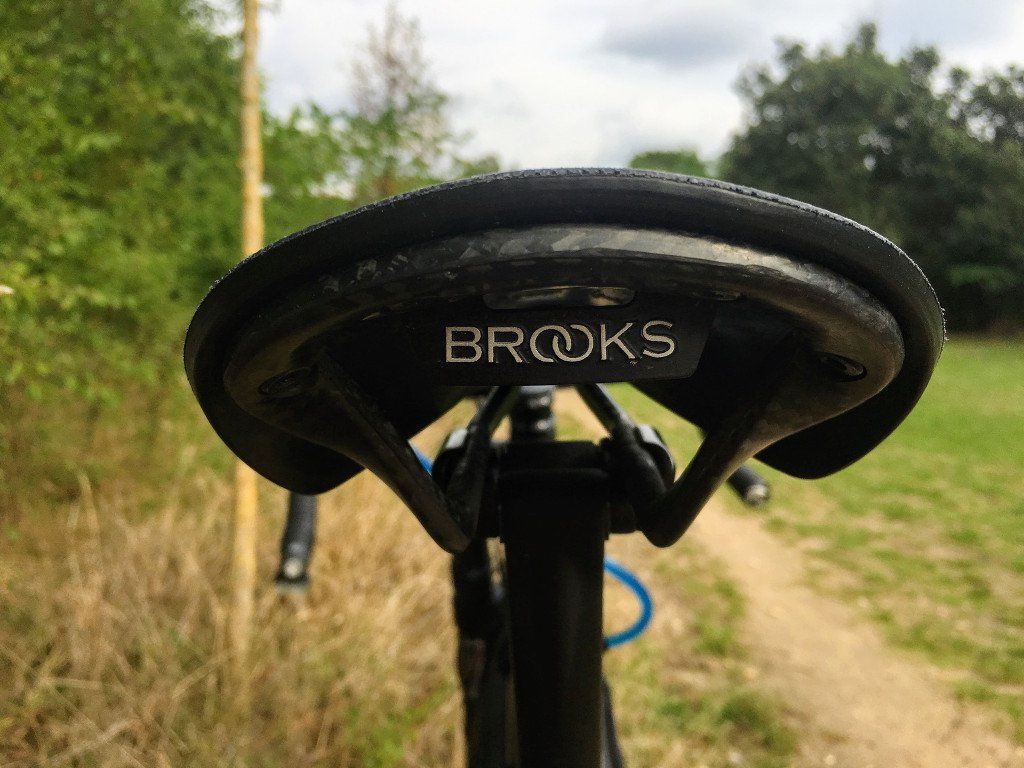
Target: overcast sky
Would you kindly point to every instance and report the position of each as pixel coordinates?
(592, 82)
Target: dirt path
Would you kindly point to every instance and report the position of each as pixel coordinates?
(855, 701)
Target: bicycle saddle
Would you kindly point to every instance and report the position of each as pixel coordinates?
(780, 329)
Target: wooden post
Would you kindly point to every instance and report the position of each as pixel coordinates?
(244, 562)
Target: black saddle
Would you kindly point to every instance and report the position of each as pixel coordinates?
(780, 329)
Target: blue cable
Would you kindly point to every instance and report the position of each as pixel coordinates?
(618, 572)
(427, 463)
(629, 580)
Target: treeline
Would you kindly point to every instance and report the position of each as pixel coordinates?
(931, 156)
(119, 189)
(119, 200)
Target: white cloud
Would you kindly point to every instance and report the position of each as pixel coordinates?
(569, 82)
(680, 36)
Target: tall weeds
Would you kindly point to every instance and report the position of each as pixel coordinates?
(114, 624)
(113, 639)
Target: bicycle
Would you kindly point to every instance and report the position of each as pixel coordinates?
(782, 331)
(481, 610)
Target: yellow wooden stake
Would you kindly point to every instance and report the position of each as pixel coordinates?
(244, 562)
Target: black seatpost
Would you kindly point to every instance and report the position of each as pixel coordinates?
(551, 503)
(532, 417)
(554, 521)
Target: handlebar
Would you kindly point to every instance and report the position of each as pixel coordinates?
(297, 544)
(752, 489)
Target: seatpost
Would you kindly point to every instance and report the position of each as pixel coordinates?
(532, 418)
(554, 521)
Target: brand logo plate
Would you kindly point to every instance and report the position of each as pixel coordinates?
(603, 344)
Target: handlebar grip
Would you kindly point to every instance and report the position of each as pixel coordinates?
(297, 543)
(750, 486)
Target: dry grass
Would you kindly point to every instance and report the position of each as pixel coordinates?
(113, 642)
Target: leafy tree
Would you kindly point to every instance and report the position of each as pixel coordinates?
(994, 107)
(934, 166)
(117, 197)
(988, 275)
(684, 161)
(399, 133)
(119, 201)
(304, 171)
(397, 137)
(116, 184)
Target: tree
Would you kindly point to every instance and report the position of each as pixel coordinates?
(684, 161)
(118, 203)
(119, 206)
(395, 138)
(399, 133)
(304, 178)
(114, 143)
(933, 166)
(988, 275)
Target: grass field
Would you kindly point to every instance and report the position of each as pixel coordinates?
(926, 534)
(115, 606)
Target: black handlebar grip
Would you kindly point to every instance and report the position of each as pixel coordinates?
(297, 543)
(750, 486)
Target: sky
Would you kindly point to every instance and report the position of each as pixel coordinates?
(547, 83)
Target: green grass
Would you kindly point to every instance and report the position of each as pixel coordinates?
(689, 681)
(717, 622)
(734, 717)
(930, 525)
